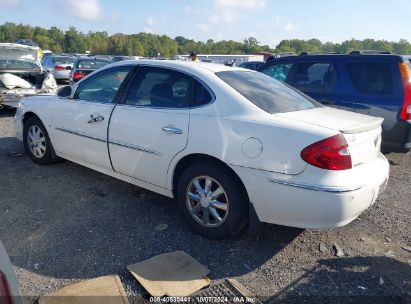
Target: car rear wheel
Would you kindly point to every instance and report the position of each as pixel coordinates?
(212, 201)
(37, 142)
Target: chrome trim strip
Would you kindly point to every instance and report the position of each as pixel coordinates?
(82, 134)
(134, 147)
(330, 189)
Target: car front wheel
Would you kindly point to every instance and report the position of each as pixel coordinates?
(212, 201)
(37, 142)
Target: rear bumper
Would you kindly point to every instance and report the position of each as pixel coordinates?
(18, 124)
(10, 100)
(292, 201)
(398, 139)
(64, 74)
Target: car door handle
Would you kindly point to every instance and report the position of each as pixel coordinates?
(95, 118)
(172, 130)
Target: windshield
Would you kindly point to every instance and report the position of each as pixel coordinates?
(267, 93)
(63, 60)
(90, 65)
(13, 64)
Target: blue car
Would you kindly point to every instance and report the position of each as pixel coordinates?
(372, 83)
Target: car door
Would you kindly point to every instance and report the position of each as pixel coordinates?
(151, 125)
(80, 123)
(318, 80)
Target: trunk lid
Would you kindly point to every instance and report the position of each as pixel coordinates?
(14, 51)
(362, 132)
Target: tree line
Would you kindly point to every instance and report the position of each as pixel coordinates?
(150, 45)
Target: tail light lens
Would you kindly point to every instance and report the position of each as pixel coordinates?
(78, 75)
(331, 154)
(59, 68)
(405, 113)
(5, 294)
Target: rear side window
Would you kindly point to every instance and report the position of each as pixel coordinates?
(278, 71)
(267, 93)
(201, 95)
(371, 77)
(315, 77)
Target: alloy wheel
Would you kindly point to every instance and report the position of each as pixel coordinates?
(207, 201)
(36, 141)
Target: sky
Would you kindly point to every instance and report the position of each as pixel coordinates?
(270, 21)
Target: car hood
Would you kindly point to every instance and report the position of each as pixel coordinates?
(20, 52)
(338, 120)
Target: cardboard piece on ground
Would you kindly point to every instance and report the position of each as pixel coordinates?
(102, 290)
(172, 274)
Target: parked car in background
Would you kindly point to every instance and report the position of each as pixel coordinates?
(121, 58)
(59, 66)
(28, 42)
(362, 82)
(252, 65)
(9, 287)
(84, 66)
(221, 140)
(22, 75)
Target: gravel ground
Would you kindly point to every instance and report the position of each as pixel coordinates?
(65, 223)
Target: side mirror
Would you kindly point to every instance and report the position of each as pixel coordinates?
(64, 91)
(68, 68)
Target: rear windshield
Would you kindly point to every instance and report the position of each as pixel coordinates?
(63, 60)
(371, 77)
(90, 64)
(12, 64)
(267, 93)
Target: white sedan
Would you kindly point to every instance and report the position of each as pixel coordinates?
(226, 142)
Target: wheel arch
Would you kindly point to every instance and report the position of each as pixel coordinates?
(28, 115)
(190, 159)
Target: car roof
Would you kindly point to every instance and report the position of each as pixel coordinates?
(193, 66)
(93, 59)
(305, 57)
(65, 56)
(253, 62)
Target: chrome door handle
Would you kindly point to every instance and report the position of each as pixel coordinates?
(94, 118)
(172, 130)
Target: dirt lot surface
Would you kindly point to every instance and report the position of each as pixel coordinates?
(64, 223)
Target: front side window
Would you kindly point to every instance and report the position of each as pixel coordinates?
(371, 77)
(160, 88)
(278, 71)
(267, 93)
(103, 86)
(314, 77)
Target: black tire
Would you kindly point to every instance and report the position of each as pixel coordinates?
(237, 214)
(48, 157)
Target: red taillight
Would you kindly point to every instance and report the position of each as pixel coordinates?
(59, 68)
(5, 294)
(331, 153)
(78, 75)
(405, 113)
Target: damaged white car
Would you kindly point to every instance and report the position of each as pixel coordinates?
(22, 75)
